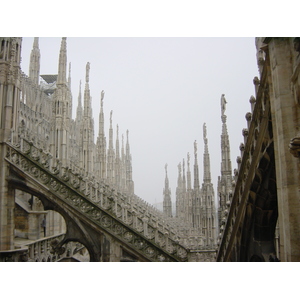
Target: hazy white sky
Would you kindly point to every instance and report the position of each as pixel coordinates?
(162, 90)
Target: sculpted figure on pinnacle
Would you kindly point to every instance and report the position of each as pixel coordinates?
(223, 104)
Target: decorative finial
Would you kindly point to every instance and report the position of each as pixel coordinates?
(166, 166)
(110, 116)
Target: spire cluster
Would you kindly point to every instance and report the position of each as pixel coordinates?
(195, 207)
(72, 141)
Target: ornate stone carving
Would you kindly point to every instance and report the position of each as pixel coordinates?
(57, 185)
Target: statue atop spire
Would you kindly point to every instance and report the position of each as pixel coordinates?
(223, 104)
(87, 76)
(102, 97)
(195, 148)
(110, 118)
(166, 166)
(204, 133)
(206, 161)
(36, 42)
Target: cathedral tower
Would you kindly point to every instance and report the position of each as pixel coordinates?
(167, 203)
(110, 154)
(179, 202)
(101, 144)
(118, 166)
(225, 180)
(208, 210)
(61, 110)
(88, 126)
(128, 167)
(34, 65)
(197, 193)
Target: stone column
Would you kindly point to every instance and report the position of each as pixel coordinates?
(284, 111)
(9, 98)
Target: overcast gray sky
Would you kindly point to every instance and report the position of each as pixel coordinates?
(162, 90)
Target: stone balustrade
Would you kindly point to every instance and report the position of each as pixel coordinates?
(40, 250)
(125, 216)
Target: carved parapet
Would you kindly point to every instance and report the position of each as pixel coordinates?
(78, 193)
(295, 146)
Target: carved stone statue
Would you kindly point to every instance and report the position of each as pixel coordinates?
(166, 166)
(102, 95)
(223, 104)
(204, 131)
(87, 76)
(195, 147)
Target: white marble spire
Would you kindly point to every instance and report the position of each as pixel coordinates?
(34, 65)
(196, 169)
(167, 203)
(62, 64)
(206, 160)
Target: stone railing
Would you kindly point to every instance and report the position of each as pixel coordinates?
(30, 133)
(121, 216)
(40, 250)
